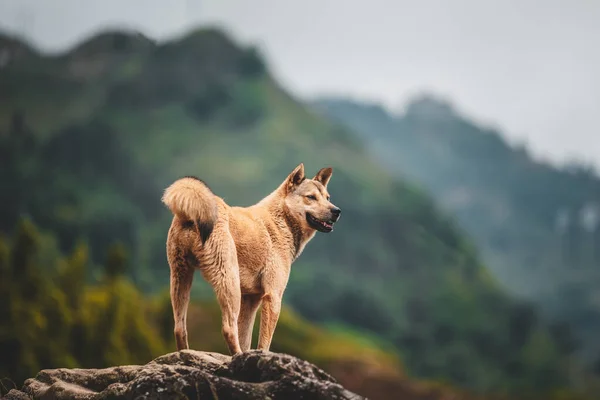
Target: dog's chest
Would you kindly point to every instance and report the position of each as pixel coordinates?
(252, 258)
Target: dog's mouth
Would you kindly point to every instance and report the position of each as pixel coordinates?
(321, 226)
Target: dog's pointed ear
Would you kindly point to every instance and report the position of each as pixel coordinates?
(324, 175)
(296, 177)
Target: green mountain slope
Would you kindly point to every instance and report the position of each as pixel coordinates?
(534, 223)
(53, 318)
(91, 138)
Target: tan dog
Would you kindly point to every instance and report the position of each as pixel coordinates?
(244, 253)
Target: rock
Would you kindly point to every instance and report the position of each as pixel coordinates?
(190, 374)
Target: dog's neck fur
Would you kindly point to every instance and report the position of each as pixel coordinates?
(290, 227)
(300, 237)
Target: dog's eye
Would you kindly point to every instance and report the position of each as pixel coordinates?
(310, 196)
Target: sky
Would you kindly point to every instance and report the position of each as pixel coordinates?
(527, 67)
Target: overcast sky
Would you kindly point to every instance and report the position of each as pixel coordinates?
(530, 67)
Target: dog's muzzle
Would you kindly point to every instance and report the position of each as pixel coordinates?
(325, 226)
(335, 212)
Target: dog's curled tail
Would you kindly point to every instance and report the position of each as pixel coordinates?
(191, 200)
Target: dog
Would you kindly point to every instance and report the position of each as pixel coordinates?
(244, 253)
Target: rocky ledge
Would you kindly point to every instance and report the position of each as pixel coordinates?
(190, 375)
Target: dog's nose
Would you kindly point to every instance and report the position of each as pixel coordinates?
(336, 212)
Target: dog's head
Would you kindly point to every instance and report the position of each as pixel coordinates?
(308, 199)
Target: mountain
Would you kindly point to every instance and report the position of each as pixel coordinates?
(535, 224)
(91, 137)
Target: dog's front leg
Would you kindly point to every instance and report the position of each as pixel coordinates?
(274, 280)
(271, 307)
(250, 303)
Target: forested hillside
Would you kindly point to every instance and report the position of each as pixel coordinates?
(537, 225)
(90, 138)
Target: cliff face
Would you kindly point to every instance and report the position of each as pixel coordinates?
(191, 374)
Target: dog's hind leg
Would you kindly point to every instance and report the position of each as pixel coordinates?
(229, 298)
(224, 277)
(182, 276)
(250, 303)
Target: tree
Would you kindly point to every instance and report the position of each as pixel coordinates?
(116, 261)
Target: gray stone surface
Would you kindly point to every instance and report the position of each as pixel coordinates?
(192, 375)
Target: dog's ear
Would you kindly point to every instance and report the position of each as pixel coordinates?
(296, 177)
(324, 175)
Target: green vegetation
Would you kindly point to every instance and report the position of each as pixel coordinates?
(535, 224)
(90, 146)
(54, 316)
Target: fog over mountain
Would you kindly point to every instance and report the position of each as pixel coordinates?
(528, 68)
